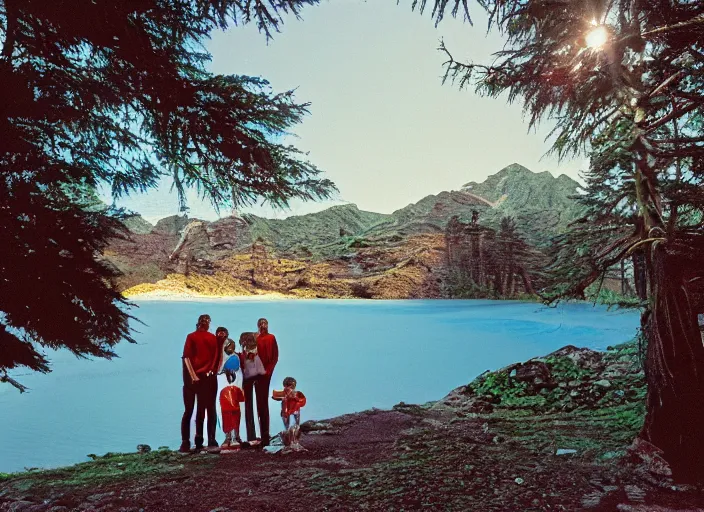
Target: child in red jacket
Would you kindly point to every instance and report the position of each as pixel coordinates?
(230, 398)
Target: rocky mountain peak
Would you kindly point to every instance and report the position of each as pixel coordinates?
(172, 225)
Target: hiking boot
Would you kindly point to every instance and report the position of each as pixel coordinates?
(185, 447)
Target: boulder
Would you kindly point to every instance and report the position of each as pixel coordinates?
(535, 373)
(584, 357)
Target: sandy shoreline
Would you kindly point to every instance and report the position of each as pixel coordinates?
(165, 295)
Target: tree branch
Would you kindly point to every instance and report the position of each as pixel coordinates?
(6, 378)
(679, 140)
(641, 242)
(694, 21)
(669, 117)
(667, 82)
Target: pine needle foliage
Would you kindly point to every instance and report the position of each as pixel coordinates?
(623, 81)
(116, 93)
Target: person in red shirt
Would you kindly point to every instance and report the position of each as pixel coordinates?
(268, 351)
(201, 357)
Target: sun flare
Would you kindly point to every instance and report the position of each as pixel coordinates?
(597, 37)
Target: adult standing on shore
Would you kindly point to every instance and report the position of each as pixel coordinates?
(268, 351)
(201, 354)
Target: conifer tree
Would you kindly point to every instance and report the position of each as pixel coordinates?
(624, 83)
(116, 93)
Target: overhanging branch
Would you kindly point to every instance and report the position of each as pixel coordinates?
(669, 117)
(6, 378)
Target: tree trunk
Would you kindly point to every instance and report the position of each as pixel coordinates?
(675, 353)
(482, 270)
(623, 278)
(499, 278)
(511, 271)
(674, 372)
(527, 284)
(639, 275)
(476, 270)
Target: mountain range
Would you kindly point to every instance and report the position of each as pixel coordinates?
(341, 251)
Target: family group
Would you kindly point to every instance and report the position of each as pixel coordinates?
(205, 356)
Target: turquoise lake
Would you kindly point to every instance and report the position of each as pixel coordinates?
(347, 356)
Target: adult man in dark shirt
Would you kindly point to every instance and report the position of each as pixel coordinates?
(268, 351)
(201, 355)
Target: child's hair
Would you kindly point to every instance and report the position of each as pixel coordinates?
(203, 319)
(289, 382)
(230, 376)
(222, 329)
(248, 341)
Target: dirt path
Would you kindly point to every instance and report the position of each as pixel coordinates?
(246, 480)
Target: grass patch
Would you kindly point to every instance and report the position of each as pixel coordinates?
(106, 469)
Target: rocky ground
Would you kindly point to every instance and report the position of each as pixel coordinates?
(553, 433)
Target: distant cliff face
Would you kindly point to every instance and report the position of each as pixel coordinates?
(370, 249)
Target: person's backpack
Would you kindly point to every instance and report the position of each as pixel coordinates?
(252, 367)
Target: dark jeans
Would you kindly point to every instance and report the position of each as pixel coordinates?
(204, 392)
(260, 386)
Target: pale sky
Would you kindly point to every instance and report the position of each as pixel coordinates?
(382, 125)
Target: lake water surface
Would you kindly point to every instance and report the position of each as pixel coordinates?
(347, 356)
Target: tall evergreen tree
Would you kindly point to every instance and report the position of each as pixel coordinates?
(515, 260)
(116, 92)
(624, 82)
